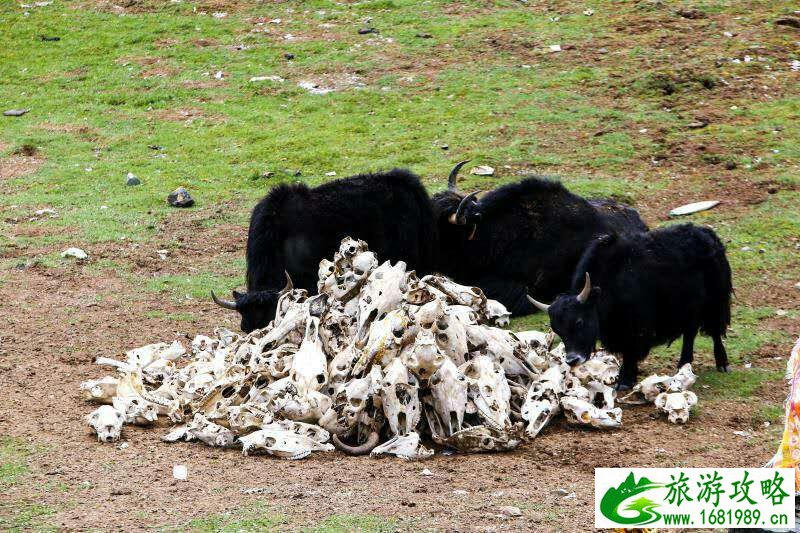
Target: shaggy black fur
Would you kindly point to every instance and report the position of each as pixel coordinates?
(648, 289)
(528, 237)
(294, 227)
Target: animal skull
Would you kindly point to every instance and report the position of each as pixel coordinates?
(309, 370)
(403, 446)
(449, 391)
(106, 422)
(382, 293)
(676, 405)
(400, 398)
(489, 390)
(281, 443)
(582, 412)
(497, 313)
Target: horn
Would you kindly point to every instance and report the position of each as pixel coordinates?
(460, 219)
(225, 304)
(539, 305)
(587, 288)
(289, 285)
(363, 449)
(453, 177)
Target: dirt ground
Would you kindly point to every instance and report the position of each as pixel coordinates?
(58, 320)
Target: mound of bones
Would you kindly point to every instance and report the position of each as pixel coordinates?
(378, 355)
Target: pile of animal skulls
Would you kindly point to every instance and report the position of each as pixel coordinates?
(670, 394)
(379, 355)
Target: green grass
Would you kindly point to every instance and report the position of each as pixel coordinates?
(13, 455)
(343, 523)
(16, 515)
(256, 518)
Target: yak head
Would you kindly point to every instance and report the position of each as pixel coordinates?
(574, 318)
(457, 213)
(256, 307)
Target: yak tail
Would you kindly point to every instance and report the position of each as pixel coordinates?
(719, 287)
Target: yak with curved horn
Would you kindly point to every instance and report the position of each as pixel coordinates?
(522, 237)
(296, 226)
(656, 287)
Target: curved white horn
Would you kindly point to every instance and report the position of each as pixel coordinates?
(539, 305)
(587, 288)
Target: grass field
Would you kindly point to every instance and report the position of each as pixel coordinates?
(655, 103)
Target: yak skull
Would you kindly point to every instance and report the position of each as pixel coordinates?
(106, 422)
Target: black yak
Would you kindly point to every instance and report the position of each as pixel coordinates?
(295, 226)
(638, 291)
(521, 238)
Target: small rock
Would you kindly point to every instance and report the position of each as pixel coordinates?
(570, 496)
(162, 254)
(368, 30)
(745, 249)
(730, 165)
(427, 472)
(561, 492)
(123, 446)
(482, 170)
(132, 180)
(423, 35)
(748, 365)
(797, 285)
(460, 492)
(690, 13)
(588, 12)
(697, 124)
(120, 491)
(180, 197)
(788, 21)
(54, 472)
(15, 112)
(180, 472)
(76, 253)
(554, 47)
(781, 312)
(745, 434)
(49, 39)
(510, 510)
(288, 57)
(331, 173)
(155, 147)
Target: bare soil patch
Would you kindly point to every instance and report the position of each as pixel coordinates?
(18, 165)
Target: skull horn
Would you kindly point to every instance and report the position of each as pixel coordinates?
(587, 288)
(362, 449)
(453, 177)
(225, 304)
(460, 218)
(289, 285)
(539, 305)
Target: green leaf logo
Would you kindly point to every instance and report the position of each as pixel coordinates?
(643, 508)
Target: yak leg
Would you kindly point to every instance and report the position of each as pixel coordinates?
(629, 371)
(720, 355)
(509, 293)
(687, 350)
